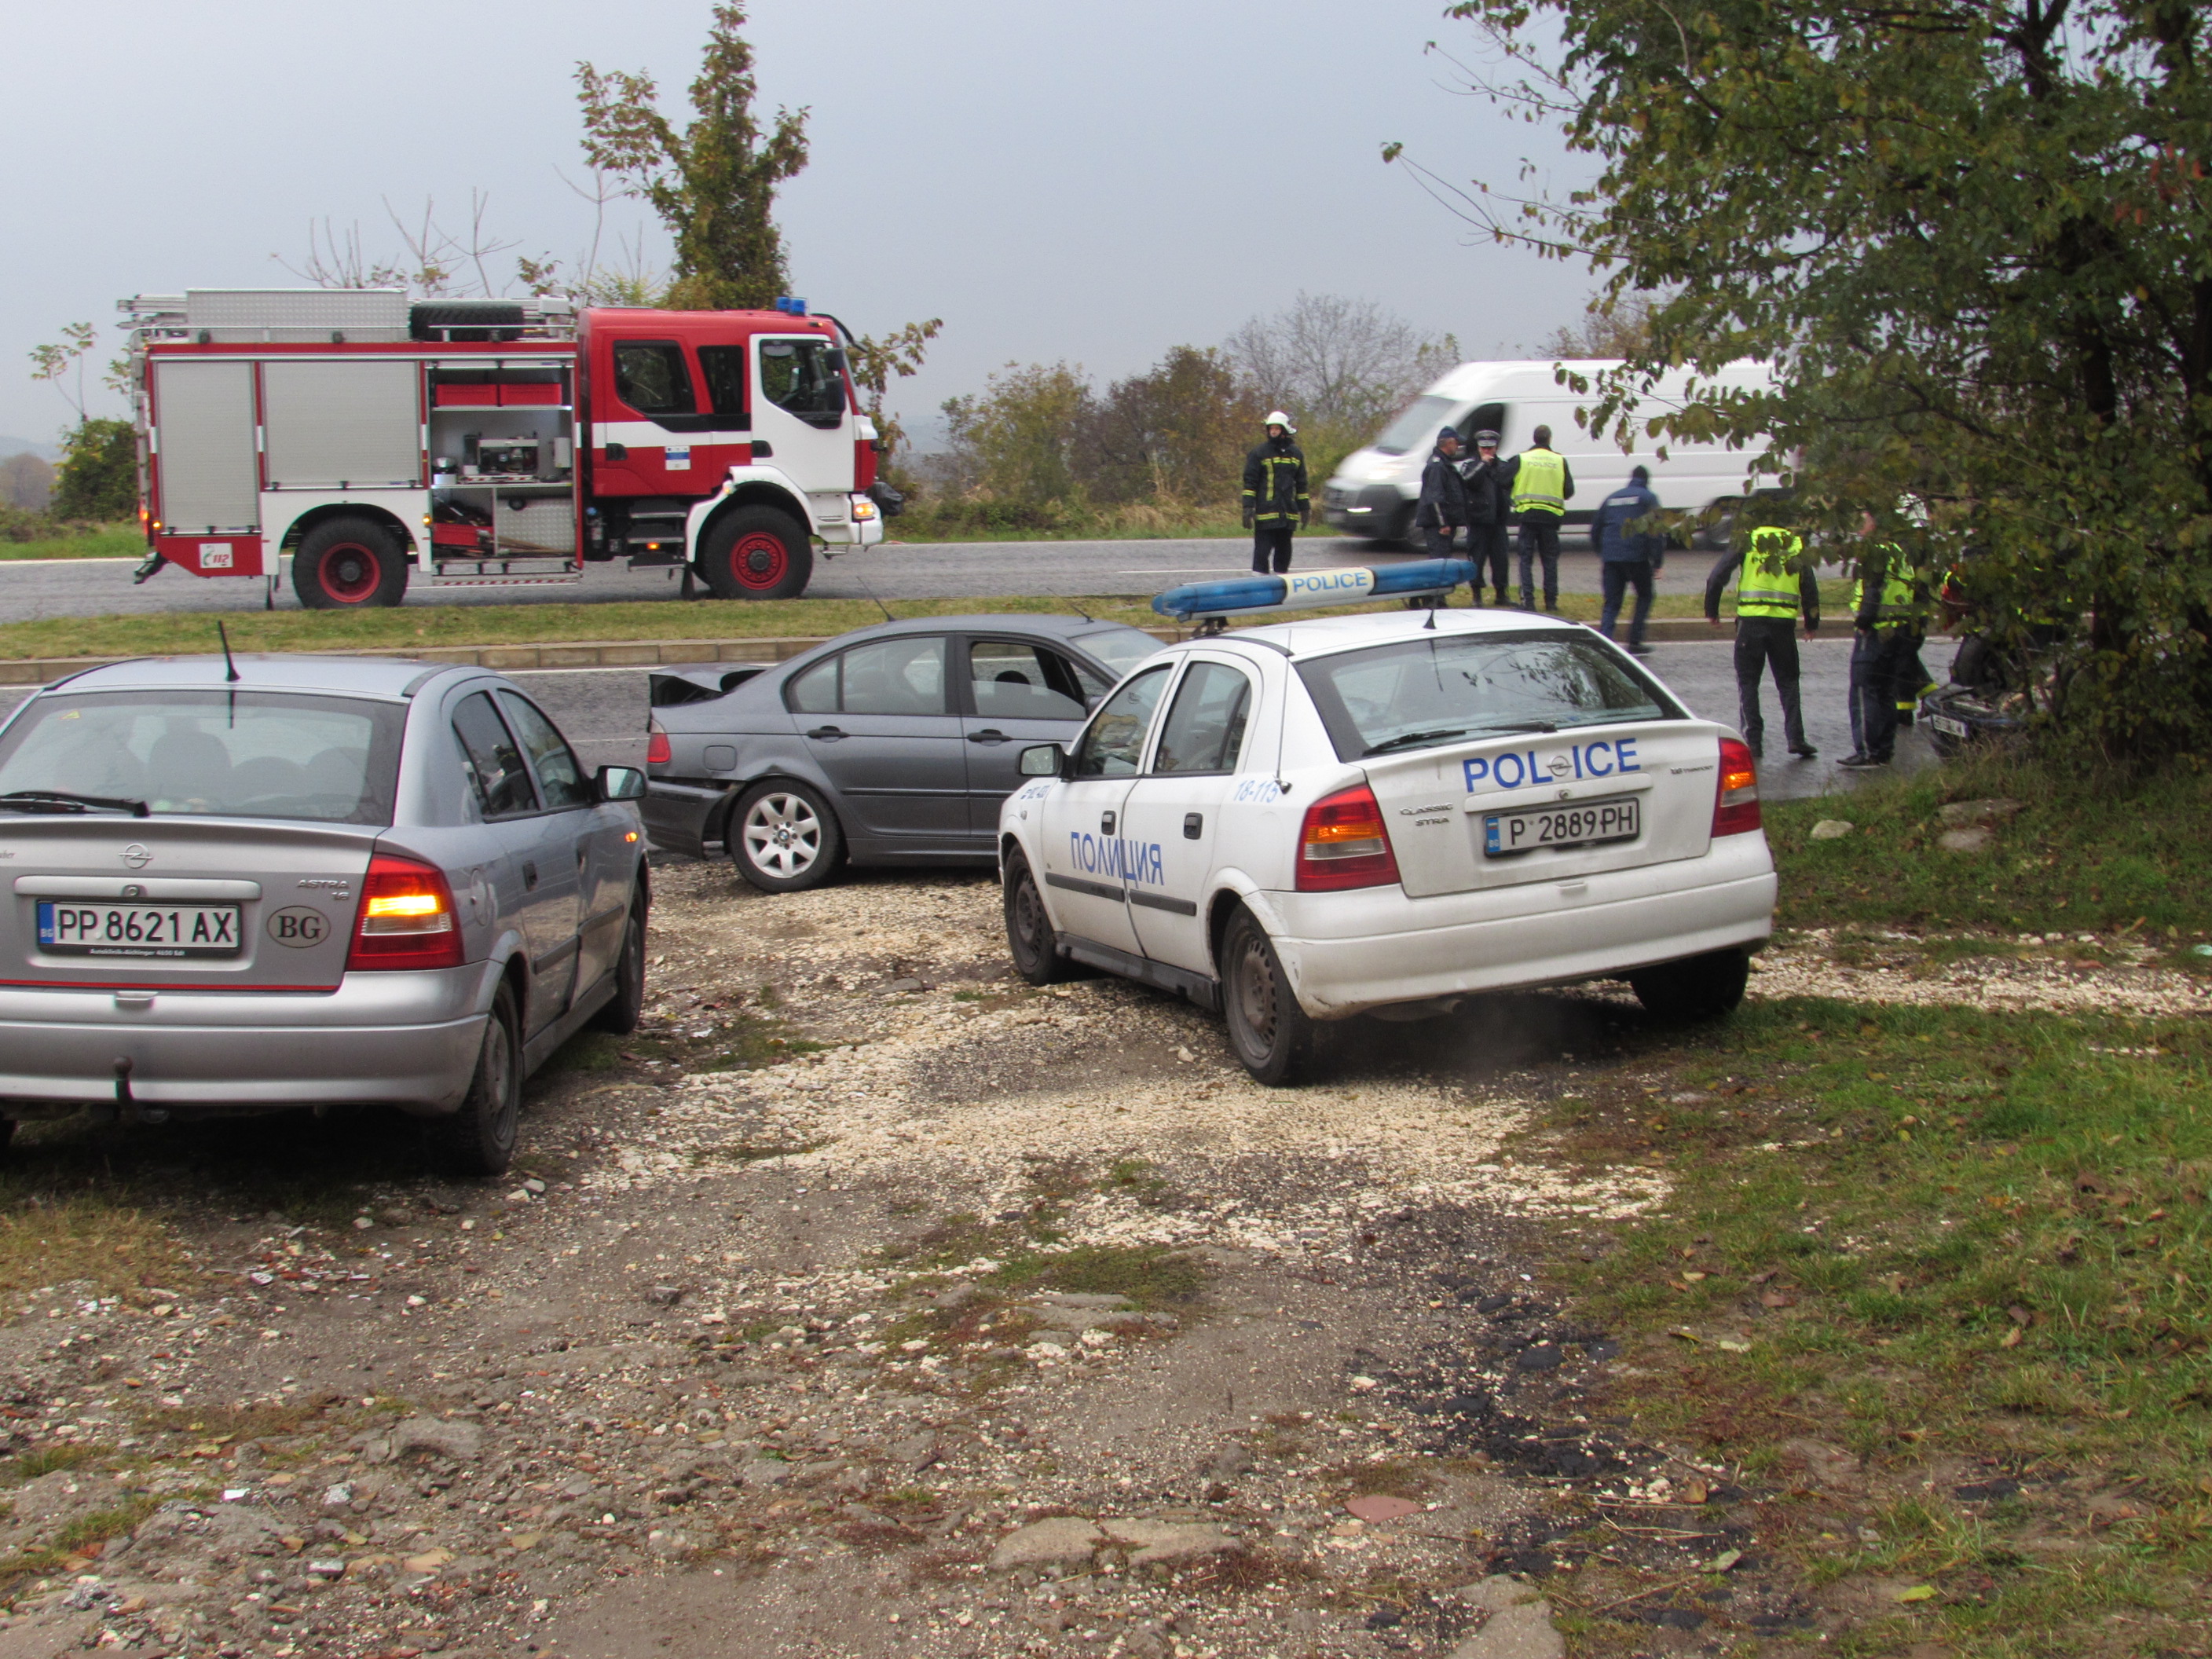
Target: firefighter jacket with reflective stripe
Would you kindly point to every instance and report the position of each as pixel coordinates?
(1778, 580)
(1896, 601)
(1275, 482)
(1540, 483)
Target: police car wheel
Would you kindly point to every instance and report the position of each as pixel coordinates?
(1029, 929)
(784, 838)
(1702, 988)
(1272, 1036)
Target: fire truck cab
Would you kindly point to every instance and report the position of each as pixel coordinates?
(473, 442)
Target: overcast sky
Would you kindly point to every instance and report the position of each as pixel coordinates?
(1089, 182)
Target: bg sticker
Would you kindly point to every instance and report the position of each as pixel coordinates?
(297, 926)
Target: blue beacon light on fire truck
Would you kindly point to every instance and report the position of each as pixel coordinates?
(1300, 590)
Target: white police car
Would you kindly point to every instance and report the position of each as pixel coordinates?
(1384, 814)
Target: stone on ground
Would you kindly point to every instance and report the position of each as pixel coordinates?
(1059, 1540)
(1162, 1543)
(1519, 1625)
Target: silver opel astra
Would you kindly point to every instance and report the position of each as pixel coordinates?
(284, 882)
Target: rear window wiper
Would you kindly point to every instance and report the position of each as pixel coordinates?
(1524, 725)
(1407, 739)
(62, 800)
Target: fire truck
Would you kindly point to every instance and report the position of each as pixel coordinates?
(376, 439)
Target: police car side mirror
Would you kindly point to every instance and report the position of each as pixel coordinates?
(1043, 760)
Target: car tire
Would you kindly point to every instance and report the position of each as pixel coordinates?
(1699, 987)
(479, 1138)
(757, 553)
(1271, 1035)
(620, 1017)
(783, 837)
(1029, 929)
(349, 563)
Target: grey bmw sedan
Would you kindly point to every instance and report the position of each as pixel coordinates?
(306, 882)
(893, 744)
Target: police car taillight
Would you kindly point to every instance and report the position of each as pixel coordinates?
(1345, 843)
(1735, 801)
(406, 918)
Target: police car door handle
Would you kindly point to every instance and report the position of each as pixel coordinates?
(989, 734)
(1194, 825)
(1105, 824)
(827, 733)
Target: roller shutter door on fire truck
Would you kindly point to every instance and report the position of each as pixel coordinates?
(342, 425)
(205, 423)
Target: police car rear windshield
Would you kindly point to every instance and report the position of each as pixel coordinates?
(1417, 428)
(1454, 688)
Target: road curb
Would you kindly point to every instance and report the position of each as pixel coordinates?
(647, 654)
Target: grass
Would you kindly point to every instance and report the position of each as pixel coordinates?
(106, 542)
(1978, 1254)
(2087, 854)
(82, 1240)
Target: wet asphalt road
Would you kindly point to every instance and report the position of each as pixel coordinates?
(603, 710)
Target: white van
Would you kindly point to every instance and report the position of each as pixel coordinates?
(1374, 491)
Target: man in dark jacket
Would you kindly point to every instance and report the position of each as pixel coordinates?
(1275, 494)
(1631, 548)
(1442, 508)
(1486, 496)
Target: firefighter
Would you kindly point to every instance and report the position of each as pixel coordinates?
(1487, 500)
(1888, 609)
(1543, 484)
(1274, 493)
(1776, 590)
(1442, 508)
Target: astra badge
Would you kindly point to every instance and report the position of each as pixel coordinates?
(137, 856)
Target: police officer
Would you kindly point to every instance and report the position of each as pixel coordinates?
(1541, 484)
(1776, 590)
(1631, 549)
(1442, 508)
(1274, 493)
(1887, 609)
(1486, 507)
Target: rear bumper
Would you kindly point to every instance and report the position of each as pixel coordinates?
(409, 1040)
(676, 815)
(1621, 925)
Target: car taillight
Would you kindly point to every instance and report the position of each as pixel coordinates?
(1735, 801)
(1345, 843)
(406, 919)
(657, 751)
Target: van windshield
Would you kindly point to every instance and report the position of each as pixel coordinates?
(1418, 425)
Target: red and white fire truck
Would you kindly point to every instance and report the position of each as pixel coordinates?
(493, 441)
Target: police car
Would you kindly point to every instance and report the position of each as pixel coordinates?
(1385, 814)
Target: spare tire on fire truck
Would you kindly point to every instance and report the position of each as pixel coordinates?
(348, 562)
(757, 553)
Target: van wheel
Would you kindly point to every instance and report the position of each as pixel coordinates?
(1701, 987)
(347, 564)
(1272, 1036)
(784, 838)
(1029, 929)
(479, 1138)
(757, 553)
(1716, 534)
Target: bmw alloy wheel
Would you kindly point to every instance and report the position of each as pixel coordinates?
(783, 834)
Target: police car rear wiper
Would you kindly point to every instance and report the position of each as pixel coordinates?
(1524, 725)
(51, 800)
(1407, 739)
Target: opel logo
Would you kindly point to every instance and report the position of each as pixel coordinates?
(137, 856)
(1557, 766)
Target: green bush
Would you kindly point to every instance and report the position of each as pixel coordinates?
(98, 480)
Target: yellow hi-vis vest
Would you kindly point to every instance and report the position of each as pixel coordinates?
(1540, 483)
(1767, 585)
(1899, 604)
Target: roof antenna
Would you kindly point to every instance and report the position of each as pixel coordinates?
(229, 668)
(871, 593)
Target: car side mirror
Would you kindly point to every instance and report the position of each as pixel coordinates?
(1043, 760)
(620, 783)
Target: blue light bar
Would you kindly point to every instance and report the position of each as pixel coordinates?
(791, 305)
(1303, 589)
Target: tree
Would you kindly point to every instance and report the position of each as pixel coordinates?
(1610, 328)
(1329, 359)
(713, 185)
(1970, 235)
(1175, 435)
(27, 483)
(1017, 441)
(98, 480)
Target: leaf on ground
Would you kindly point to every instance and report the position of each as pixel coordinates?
(1723, 1561)
(1730, 1345)
(1685, 1335)
(2011, 1338)
(1771, 1298)
(1918, 1593)
(2020, 1316)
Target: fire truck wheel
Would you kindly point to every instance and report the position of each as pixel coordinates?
(757, 553)
(348, 563)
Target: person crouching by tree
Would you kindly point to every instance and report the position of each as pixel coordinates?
(1275, 494)
(1442, 508)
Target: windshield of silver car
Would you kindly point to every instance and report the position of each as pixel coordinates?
(1446, 688)
(205, 753)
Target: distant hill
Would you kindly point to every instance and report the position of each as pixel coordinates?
(25, 446)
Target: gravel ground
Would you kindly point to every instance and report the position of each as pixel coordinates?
(867, 1302)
